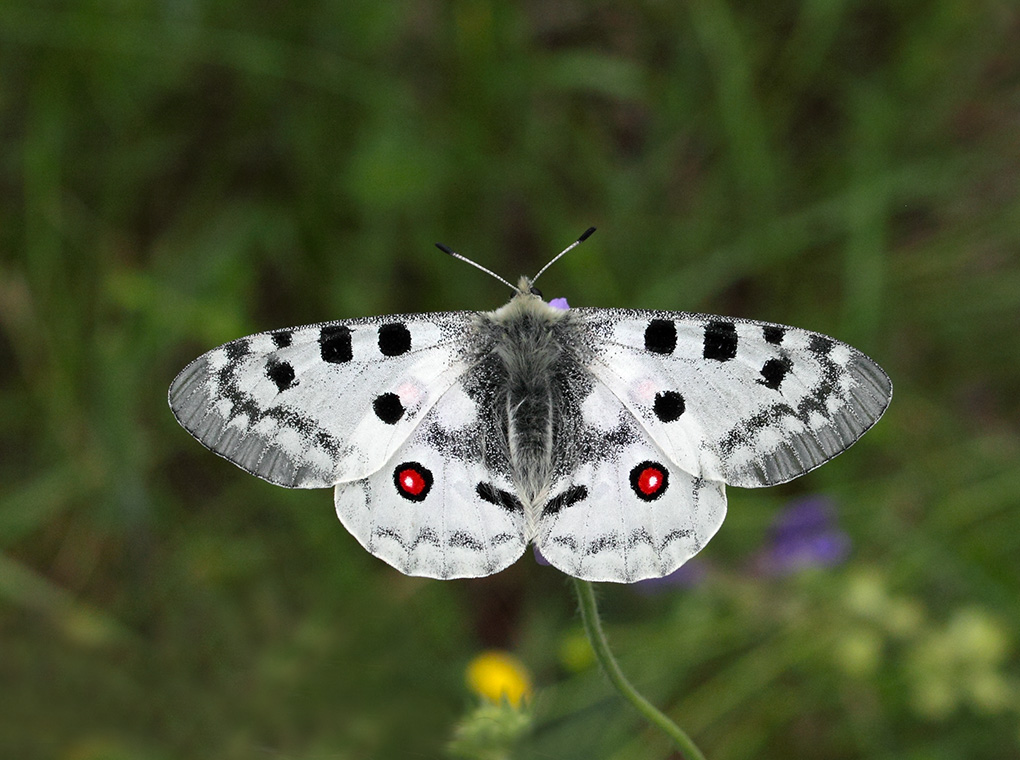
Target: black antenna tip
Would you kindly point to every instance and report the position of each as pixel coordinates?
(443, 248)
(586, 235)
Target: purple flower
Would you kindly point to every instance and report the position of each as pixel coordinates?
(559, 303)
(803, 535)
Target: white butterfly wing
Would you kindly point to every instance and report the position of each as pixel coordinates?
(744, 402)
(658, 412)
(310, 406)
(626, 512)
(442, 506)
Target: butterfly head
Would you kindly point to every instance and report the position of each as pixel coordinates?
(526, 287)
(526, 290)
(528, 302)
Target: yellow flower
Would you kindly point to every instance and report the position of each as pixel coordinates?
(498, 676)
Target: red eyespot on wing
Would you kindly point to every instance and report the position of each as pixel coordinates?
(413, 481)
(649, 480)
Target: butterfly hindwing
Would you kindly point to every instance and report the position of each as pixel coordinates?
(744, 402)
(624, 511)
(437, 509)
(310, 406)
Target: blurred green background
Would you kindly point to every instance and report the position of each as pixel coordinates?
(177, 174)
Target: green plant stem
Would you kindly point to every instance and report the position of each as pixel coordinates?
(597, 637)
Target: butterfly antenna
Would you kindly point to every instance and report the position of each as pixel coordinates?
(456, 255)
(572, 246)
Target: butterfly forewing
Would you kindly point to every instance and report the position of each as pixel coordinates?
(310, 406)
(744, 402)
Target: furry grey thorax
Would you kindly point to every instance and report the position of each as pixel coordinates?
(534, 349)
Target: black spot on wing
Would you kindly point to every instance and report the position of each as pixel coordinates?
(326, 442)
(593, 445)
(388, 408)
(660, 336)
(237, 349)
(461, 540)
(424, 536)
(462, 443)
(503, 538)
(568, 541)
(568, 498)
(282, 338)
(774, 334)
(281, 373)
(774, 371)
(607, 542)
(821, 344)
(720, 340)
(394, 339)
(669, 406)
(499, 497)
(335, 344)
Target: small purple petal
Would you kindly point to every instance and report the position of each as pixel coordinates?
(539, 558)
(804, 516)
(821, 550)
(559, 303)
(804, 535)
